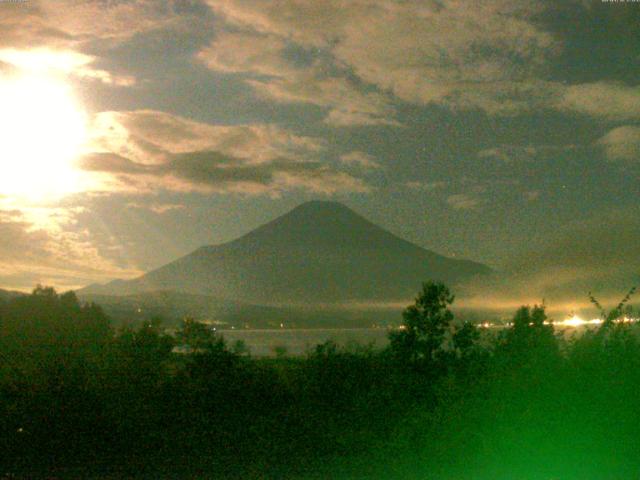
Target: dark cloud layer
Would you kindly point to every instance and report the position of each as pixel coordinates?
(220, 172)
(161, 151)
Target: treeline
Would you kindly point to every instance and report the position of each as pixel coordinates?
(79, 399)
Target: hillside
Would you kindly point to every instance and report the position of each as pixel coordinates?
(318, 253)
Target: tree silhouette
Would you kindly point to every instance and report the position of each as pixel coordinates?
(530, 338)
(465, 339)
(419, 341)
(614, 314)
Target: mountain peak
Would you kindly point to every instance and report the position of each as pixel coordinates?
(322, 205)
(322, 208)
(315, 222)
(321, 251)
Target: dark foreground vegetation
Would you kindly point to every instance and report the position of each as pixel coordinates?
(80, 400)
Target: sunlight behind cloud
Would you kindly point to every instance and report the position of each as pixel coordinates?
(42, 60)
(43, 131)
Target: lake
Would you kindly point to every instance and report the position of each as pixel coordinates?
(299, 341)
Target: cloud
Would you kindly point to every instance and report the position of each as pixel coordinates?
(109, 162)
(24, 25)
(146, 136)
(235, 52)
(446, 52)
(360, 159)
(18, 236)
(348, 57)
(425, 186)
(508, 153)
(347, 105)
(622, 143)
(38, 247)
(463, 201)
(132, 232)
(64, 37)
(214, 168)
(600, 255)
(6, 69)
(152, 150)
(491, 56)
(210, 171)
(607, 100)
(265, 55)
(600, 251)
(62, 24)
(348, 118)
(495, 57)
(60, 61)
(159, 208)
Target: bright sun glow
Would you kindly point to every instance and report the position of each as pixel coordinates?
(42, 132)
(45, 60)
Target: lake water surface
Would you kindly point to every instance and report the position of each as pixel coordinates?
(300, 341)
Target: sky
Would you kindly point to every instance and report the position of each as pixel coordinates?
(506, 132)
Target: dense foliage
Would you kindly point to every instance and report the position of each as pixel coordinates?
(443, 401)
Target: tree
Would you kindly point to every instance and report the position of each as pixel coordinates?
(199, 337)
(419, 341)
(613, 337)
(45, 322)
(621, 309)
(465, 340)
(140, 357)
(530, 338)
(208, 358)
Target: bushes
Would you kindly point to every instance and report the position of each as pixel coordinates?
(441, 402)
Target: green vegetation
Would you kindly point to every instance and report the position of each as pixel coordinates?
(79, 399)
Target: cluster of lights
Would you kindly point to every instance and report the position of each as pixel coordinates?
(574, 321)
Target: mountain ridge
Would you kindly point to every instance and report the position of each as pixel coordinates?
(320, 251)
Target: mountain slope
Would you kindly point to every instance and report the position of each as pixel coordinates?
(319, 252)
